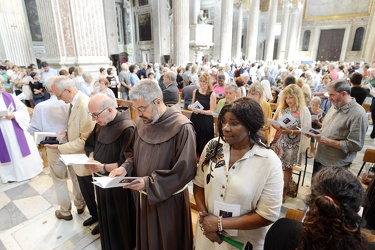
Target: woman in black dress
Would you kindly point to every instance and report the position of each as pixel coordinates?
(202, 119)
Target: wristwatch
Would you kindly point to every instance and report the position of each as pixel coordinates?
(103, 171)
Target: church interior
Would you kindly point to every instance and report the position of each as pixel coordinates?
(102, 33)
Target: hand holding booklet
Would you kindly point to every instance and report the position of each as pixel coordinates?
(111, 182)
(197, 105)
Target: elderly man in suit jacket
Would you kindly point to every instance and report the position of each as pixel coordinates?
(79, 128)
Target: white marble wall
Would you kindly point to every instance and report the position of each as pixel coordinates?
(15, 34)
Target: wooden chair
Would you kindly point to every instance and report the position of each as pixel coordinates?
(186, 113)
(129, 104)
(297, 170)
(369, 156)
(294, 214)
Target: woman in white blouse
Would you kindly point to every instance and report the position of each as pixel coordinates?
(237, 170)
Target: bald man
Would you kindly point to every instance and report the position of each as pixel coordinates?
(110, 143)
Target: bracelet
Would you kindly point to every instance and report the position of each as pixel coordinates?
(219, 224)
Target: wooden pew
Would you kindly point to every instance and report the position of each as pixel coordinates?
(129, 104)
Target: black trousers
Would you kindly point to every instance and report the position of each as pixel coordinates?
(318, 166)
(87, 189)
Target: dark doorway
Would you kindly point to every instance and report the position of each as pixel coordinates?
(330, 44)
(275, 48)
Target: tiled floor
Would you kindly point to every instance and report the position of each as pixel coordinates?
(27, 219)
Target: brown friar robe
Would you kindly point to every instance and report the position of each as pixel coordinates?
(164, 153)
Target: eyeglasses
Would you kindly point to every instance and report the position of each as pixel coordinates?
(143, 108)
(96, 116)
(58, 96)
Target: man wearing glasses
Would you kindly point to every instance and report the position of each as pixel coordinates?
(164, 155)
(110, 143)
(80, 126)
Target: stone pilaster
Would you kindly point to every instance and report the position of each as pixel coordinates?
(252, 30)
(271, 22)
(226, 30)
(284, 31)
(74, 33)
(15, 36)
(181, 32)
(237, 32)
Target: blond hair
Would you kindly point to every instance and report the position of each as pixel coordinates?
(296, 92)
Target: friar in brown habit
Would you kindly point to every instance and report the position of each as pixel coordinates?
(164, 156)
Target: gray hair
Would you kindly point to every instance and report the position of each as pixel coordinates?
(86, 75)
(171, 75)
(316, 99)
(63, 82)
(340, 86)
(146, 89)
(231, 86)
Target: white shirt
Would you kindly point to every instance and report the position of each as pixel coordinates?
(50, 116)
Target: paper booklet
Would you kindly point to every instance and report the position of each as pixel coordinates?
(310, 131)
(45, 136)
(317, 117)
(7, 111)
(286, 121)
(197, 105)
(227, 210)
(76, 159)
(111, 182)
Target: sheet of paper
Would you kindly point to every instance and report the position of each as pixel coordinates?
(316, 117)
(227, 210)
(111, 182)
(76, 159)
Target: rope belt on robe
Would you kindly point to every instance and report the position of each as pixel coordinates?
(4, 154)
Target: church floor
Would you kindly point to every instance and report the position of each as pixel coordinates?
(27, 219)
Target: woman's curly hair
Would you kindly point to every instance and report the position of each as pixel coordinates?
(332, 221)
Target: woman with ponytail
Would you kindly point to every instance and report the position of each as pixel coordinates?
(332, 221)
(237, 169)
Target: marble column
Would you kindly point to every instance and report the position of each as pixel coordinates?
(217, 30)
(368, 51)
(237, 32)
(129, 38)
(15, 37)
(226, 30)
(252, 30)
(74, 33)
(284, 31)
(292, 34)
(181, 32)
(271, 22)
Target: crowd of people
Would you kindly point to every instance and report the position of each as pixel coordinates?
(244, 136)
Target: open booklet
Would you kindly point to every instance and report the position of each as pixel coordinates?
(7, 111)
(111, 182)
(227, 210)
(76, 159)
(46, 137)
(310, 131)
(286, 121)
